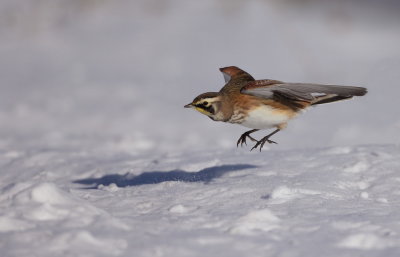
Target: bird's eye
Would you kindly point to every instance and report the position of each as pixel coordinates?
(205, 103)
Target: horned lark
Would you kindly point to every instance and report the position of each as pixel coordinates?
(264, 104)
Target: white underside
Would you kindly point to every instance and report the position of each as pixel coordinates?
(265, 117)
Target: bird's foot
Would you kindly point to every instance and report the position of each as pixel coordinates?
(262, 142)
(243, 138)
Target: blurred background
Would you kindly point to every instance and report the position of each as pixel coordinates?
(114, 75)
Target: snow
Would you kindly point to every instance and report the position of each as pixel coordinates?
(299, 203)
(255, 221)
(365, 241)
(98, 157)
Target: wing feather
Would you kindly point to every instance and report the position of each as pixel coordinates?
(270, 89)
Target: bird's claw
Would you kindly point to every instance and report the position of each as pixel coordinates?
(262, 142)
(243, 138)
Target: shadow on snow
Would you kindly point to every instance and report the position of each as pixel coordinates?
(154, 177)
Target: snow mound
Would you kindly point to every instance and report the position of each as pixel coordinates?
(84, 242)
(357, 167)
(255, 222)
(48, 193)
(180, 209)
(365, 241)
(283, 194)
(48, 202)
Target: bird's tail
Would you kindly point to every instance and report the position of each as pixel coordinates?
(338, 93)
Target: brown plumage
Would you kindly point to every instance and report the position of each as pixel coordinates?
(261, 104)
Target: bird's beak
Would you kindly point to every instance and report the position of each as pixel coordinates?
(188, 106)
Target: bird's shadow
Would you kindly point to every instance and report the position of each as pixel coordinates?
(154, 177)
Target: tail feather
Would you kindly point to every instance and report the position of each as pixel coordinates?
(330, 99)
(339, 93)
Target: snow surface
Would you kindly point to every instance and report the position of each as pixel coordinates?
(341, 201)
(98, 157)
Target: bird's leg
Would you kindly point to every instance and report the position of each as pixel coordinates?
(243, 137)
(265, 139)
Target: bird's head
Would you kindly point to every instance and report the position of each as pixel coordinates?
(208, 104)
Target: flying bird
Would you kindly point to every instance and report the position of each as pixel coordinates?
(265, 104)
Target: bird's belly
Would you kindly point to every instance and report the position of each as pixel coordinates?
(265, 117)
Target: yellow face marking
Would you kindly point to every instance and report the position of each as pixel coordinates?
(202, 102)
(202, 111)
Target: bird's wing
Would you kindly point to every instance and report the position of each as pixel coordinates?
(227, 77)
(270, 89)
(233, 72)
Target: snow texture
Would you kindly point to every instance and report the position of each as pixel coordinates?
(291, 203)
(98, 157)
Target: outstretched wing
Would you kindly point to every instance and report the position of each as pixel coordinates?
(233, 72)
(312, 93)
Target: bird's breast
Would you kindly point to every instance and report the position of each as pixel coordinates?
(262, 117)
